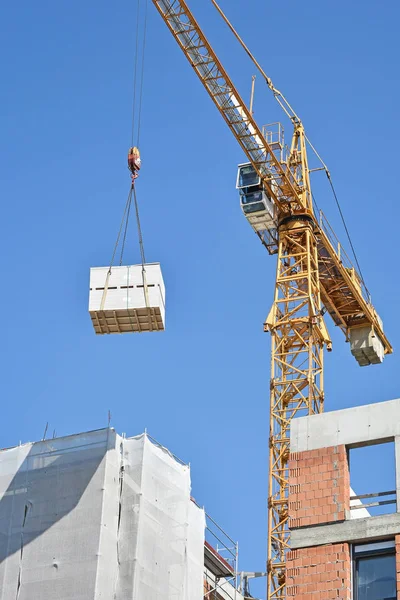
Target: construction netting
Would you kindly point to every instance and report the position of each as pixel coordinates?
(96, 516)
(167, 559)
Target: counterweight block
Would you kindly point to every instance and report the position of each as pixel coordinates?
(366, 346)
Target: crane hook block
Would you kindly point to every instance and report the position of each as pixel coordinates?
(134, 162)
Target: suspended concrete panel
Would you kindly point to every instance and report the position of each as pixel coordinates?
(127, 299)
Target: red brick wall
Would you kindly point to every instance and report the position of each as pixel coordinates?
(320, 573)
(319, 486)
(398, 564)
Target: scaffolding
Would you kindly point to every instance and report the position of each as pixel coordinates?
(220, 563)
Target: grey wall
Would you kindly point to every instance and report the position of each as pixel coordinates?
(355, 530)
(351, 426)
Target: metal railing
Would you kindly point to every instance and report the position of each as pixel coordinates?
(341, 253)
(226, 550)
(372, 504)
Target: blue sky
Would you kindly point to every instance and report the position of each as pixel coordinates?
(201, 388)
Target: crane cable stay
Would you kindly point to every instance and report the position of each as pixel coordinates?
(287, 108)
(134, 161)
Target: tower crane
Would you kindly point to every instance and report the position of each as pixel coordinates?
(313, 276)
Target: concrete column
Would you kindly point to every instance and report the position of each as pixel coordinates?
(397, 452)
(398, 564)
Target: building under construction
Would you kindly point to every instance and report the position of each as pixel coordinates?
(100, 515)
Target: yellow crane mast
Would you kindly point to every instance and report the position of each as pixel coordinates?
(313, 275)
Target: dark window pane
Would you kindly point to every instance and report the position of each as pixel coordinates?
(251, 197)
(255, 207)
(376, 578)
(248, 177)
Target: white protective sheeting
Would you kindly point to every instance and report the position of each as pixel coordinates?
(50, 514)
(167, 558)
(96, 516)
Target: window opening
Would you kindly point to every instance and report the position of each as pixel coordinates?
(372, 480)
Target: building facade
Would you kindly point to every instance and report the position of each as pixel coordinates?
(341, 547)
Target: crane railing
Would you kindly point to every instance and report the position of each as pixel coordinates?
(343, 292)
(341, 253)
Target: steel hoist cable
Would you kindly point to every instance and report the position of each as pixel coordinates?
(142, 71)
(124, 226)
(141, 245)
(138, 67)
(135, 69)
(125, 218)
(139, 228)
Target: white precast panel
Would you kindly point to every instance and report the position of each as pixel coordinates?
(118, 302)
